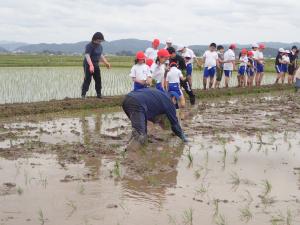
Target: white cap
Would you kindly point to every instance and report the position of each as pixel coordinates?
(180, 48)
(169, 40)
(287, 51)
(281, 50)
(187, 55)
(255, 45)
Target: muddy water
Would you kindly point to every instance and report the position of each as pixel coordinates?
(242, 164)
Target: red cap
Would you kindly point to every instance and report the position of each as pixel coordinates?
(140, 55)
(156, 42)
(173, 64)
(163, 53)
(262, 46)
(232, 46)
(250, 53)
(244, 51)
(149, 62)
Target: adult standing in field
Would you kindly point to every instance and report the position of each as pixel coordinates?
(229, 63)
(260, 67)
(151, 53)
(174, 57)
(293, 64)
(93, 55)
(189, 57)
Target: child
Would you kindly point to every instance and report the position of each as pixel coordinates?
(220, 51)
(250, 69)
(140, 72)
(259, 57)
(158, 69)
(210, 58)
(229, 63)
(242, 68)
(297, 82)
(152, 51)
(278, 65)
(173, 82)
(285, 64)
(293, 64)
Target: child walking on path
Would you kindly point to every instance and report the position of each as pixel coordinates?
(140, 72)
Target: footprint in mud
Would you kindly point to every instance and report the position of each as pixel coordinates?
(8, 189)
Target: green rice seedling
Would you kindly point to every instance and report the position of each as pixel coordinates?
(237, 149)
(81, 189)
(172, 220)
(203, 189)
(267, 200)
(220, 220)
(216, 208)
(248, 198)
(250, 146)
(197, 174)
(260, 139)
(72, 206)
(41, 217)
(285, 136)
(245, 214)
(188, 217)
(19, 190)
(267, 187)
(190, 157)
(235, 159)
(290, 146)
(235, 181)
(224, 157)
(117, 169)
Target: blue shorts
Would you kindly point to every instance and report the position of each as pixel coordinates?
(138, 86)
(189, 69)
(278, 68)
(227, 73)
(242, 70)
(250, 72)
(284, 68)
(260, 68)
(176, 88)
(209, 72)
(159, 87)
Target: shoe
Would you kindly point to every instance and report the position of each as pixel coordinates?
(193, 100)
(99, 96)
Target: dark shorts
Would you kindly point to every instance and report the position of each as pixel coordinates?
(176, 88)
(278, 68)
(260, 68)
(227, 73)
(209, 72)
(284, 68)
(291, 70)
(189, 69)
(242, 70)
(219, 74)
(250, 72)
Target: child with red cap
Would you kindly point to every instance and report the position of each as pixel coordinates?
(158, 69)
(229, 63)
(242, 68)
(250, 69)
(140, 72)
(151, 52)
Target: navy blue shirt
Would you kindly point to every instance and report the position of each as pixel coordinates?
(155, 103)
(95, 51)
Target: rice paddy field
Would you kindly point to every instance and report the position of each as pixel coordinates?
(69, 167)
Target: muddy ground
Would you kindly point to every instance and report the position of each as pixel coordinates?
(241, 166)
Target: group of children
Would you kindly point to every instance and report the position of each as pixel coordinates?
(160, 67)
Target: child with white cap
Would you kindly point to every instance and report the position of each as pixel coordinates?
(169, 43)
(259, 57)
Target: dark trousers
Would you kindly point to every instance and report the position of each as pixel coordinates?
(136, 113)
(87, 80)
(188, 90)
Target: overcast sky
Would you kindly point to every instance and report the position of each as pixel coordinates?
(187, 22)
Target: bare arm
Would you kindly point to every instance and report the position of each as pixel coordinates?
(106, 63)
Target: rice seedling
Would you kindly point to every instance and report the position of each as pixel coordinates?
(81, 189)
(172, 220)
(220, 220)
(216, 208)
(235, 159)
(248, 198)
(41, 217)
(197, 174)
(250, 146)
(235, 181)
(72, 206)
(117, 169)
(203, 189)
(190, 157)
(267, 187)
(281, 219)
(19, 190)
(245, 214)
(260, 139)
(188, 217)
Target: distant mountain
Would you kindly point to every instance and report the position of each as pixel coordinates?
(11, 45)
(3, 50)
(120, 47)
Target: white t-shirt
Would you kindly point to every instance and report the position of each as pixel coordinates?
(286, 59)
(229, 55)
(151, 53)
(255, 54)
(210, 59)
(158, 72)
(174, 75)
(140, 72)
(244, 61)
(190, 54)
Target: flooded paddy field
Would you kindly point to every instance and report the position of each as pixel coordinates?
(241, 166)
